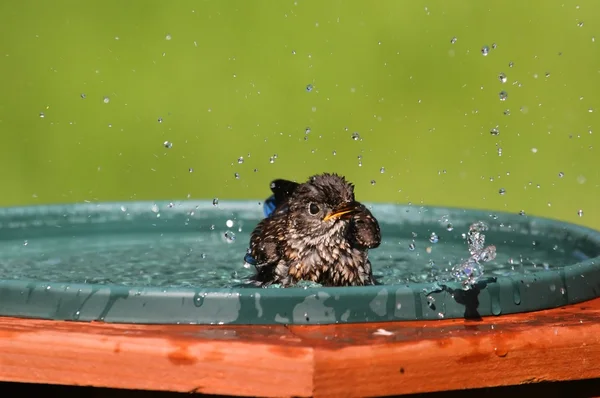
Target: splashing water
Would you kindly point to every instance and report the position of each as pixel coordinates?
(471, 270)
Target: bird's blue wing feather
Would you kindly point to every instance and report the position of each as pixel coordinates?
(269, 205)
(249, 259)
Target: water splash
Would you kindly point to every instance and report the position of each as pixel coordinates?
(471, 270)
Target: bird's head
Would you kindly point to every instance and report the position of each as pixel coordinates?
(322, 207)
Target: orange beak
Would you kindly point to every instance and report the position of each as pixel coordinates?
(346, 208)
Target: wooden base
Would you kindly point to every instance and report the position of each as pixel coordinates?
(332, 360)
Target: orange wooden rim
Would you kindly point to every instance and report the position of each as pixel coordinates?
(332, 360)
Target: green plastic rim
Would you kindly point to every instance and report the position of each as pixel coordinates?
(574, 283)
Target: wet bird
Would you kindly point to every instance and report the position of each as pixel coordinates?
(315, 231)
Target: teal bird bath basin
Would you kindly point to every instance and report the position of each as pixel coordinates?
(183, 262)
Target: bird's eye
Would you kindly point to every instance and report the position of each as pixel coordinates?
(313, 209)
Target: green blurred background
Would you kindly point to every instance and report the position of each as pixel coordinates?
(229, 79)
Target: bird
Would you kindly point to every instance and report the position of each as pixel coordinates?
(313, 231)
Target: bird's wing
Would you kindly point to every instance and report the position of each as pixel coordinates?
(283, 189)
(364, 230)
(266, 241)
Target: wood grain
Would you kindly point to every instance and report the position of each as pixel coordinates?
(330, 360)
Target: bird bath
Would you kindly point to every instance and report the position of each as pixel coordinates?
(182, 263)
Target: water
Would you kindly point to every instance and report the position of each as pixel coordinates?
(210, 258)
(185, 245)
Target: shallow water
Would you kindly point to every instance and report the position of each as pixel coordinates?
(208, 256)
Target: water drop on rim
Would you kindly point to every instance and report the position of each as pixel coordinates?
(215, 202)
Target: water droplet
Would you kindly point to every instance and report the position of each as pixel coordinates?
(453, 40)
(502, 191)
(229, 237)
(25, 243)
(580, 24)
(485, 50)
(503, 95)
(430, 302)
(494, 46)
(522, 213)
(494, 131)
(307, 130)
(237, 176)
(309, 87)
(271, 160)
(373, 182)
(334, 153)
(160, 119)
(199, 299)
(411, 246)
(507, 112)
(434, 238)
(42, 115)
(229, 223)
(168, 37)
(240, 160)
(561, 174)
(215, 202)
(106, 100)
(382, 170)
(83, 96)
(168, 144)
(355, 136)
(191, 170)
(580, 213)
(502, 78)
(449, 227)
